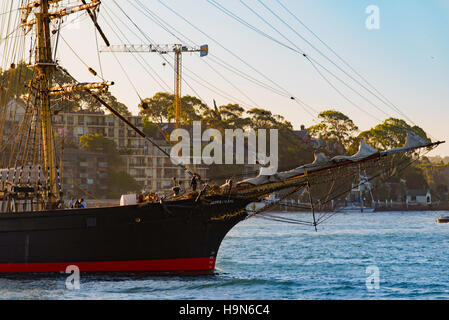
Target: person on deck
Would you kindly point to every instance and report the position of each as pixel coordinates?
(72, 203)
(176, 187)
(82, 204)
(194, 182)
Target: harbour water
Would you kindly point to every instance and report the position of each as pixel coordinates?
(261, 259)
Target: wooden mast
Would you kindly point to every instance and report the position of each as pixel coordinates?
(45, 67)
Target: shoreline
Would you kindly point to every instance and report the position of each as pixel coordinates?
(383, 208)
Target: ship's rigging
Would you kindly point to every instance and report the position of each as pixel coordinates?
(33, 171)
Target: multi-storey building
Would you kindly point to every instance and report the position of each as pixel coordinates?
(145, 163)
(84, 173)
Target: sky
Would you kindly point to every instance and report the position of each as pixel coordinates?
(406, 59)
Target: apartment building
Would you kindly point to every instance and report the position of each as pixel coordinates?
(84, 173)
(145, 163)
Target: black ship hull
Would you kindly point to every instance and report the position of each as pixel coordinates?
(173, 237)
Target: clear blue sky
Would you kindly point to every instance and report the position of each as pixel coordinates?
(407, 59)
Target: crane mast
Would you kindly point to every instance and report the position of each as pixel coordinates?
(177, 86)
(178, 50)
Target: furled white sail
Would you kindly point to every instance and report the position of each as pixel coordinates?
(321, 161)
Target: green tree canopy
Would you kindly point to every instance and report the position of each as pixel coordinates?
(160, 108)
(230, 116)
(119, 181)
(191, 108)
(156, 108)
(15, 82)
(335, 128)
(98, 143)
(392, 133)
(261, 118)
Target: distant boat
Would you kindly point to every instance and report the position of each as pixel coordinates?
(443, 219)
(358, 205)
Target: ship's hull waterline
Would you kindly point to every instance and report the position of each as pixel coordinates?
(161, 238)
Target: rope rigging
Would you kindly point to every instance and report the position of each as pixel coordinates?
(343, 60)
(287, 94)
(314, 62)
(26, 149)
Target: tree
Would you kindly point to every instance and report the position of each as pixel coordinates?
(150, 129)
(156, 108)
(98, 143)
(261, 118)
(436, 177)
(291, 152)
(230, 116)
(415, 178)
(233, 116)
(17, 80)
(119, 181)
(115, 104)
(161, 108)
(336, 129)
(390, 134)
(191, 110)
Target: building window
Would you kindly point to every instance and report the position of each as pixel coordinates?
(110, 121)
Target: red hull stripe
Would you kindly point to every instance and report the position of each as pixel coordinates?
(171, 265)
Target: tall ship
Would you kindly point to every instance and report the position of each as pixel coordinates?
(179, 233)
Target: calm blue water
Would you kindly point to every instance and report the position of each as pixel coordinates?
(261, 259)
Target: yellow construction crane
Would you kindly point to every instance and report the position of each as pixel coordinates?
(178, 50)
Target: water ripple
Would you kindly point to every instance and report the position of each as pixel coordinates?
(268, 260)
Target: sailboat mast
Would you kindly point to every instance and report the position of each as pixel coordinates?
(360, 189)
(45, 67)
